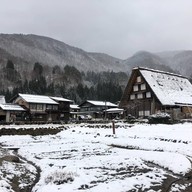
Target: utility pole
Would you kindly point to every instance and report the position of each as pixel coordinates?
(105, 109)
(113, 126)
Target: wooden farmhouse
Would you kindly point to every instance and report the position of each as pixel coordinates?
(38, 107)
(151, 91)
(95, 108)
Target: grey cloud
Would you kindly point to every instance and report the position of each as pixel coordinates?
(117, 27)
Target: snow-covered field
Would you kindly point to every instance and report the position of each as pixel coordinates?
(139, 157)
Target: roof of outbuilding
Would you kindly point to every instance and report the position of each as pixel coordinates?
(100, 103)
(169, 88)
(72, 106)
(37, 99)
(114, 110)
(11, 107)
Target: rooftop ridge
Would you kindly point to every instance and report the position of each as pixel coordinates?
(159, 71)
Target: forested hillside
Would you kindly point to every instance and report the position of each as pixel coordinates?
(67, 82)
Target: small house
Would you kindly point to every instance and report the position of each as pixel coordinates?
(95, 108)
(11, 112)
(114, 113)
(151, 91)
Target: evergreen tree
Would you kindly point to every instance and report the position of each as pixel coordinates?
(56, 70)
(37, 70)
(72, 74)
(10, 65)
(26, 87)
(80, 91)
(11, 74)
(50, 89)
(38, 86)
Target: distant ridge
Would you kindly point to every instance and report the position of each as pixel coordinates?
(25, 50)
(34, 48)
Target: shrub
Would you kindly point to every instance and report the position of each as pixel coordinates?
(159, 118)
(60, 177)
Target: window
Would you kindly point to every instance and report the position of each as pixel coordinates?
(52, 107)
(139, 79)
(147, 113)
(140, 96)
(132, 96)
(141, 113)
(55, 107)
(39, 107)
(148, 95)
(49, 106)
(143, 86)
(135, 88)
(32, 106)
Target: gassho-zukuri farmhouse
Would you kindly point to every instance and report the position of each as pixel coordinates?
(151, 91)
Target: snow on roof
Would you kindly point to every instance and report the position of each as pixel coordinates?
(74, 106)
(170, 89)
(37, 99)
(61, 99)
(11, 107)
(114, 110)
(102, 103)
(158, 71)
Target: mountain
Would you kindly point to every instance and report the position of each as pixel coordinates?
(179, 61)
(25, 50)
(147, 59)
(172, 61)
(28, 49)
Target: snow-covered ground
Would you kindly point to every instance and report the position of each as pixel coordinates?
(139, 157)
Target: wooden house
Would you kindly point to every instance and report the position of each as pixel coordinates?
(63, 108)
(11, 112)
(150, 91)
(38, 107)
(114, 113)
(95, 108)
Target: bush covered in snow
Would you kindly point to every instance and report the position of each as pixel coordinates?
(159, 118)
(60, 177)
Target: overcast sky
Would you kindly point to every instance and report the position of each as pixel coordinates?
(117, 27)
